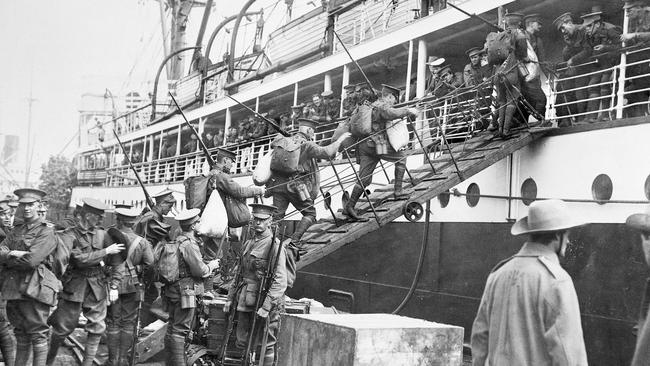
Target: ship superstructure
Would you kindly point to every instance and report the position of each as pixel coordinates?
(474, 186)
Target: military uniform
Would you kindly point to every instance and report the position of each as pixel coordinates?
(122, 314)
(229, 189)
(7, 339)
(377, 148)
(640, 35)
(507, 79)
(300, 188)
(142, 227)
(257, 252)
(599, 33)
(179, 297)
(29, 286)
(349, 102)
(85, 288)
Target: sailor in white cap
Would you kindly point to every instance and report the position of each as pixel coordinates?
(529, 313)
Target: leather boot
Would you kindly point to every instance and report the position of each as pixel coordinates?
(126, 340)
(113, 343)
(39, 347)
(399, 179)
(177, 351)
(8, 346)
(507, 121)
(500, 121)
(301, 228)
(348, 210)
(593, 106)
(92, 343)
(55, 342)
(23, 349)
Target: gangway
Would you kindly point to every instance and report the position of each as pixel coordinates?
(471, 157)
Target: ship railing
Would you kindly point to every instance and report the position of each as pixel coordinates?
(454, 117)
(132, 121)
(589, 92)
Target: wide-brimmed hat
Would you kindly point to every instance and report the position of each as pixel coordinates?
(639, 221)
(546, 216)
(119, 237)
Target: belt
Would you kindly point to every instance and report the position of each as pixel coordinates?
(88, 272)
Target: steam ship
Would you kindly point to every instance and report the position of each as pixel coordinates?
(428, 256)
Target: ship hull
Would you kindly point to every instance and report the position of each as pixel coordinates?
(604, 262)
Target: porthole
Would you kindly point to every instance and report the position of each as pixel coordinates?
(473, 195)
(602, 188)
(528, 191)
(443, 199)
(646, 187)
(327, 200)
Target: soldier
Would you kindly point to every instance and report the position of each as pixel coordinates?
(529, 313)
(435, 64)
(29, 286)
(639, 15)
(507, 79)
(70, 221)
(331, 104)
(257, 252)
(7, 340)
(473, 73)
(122, 314)
(317, 110)
(165, 201)
(231, 138)
(377, 148)
(86, 288)
(179, 297)
(5, 219)
(227, 187)
(576, 52)
(532, 89)
(533, 24)
(349, 102)
(603, 38)
(302, 185)
(13, 205)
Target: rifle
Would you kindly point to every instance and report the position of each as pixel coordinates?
(355, 62)
(136, 326)
(273, 124)
(494, 26)
(233, 312)
(198, 137)
(263, 291)
(137, 176)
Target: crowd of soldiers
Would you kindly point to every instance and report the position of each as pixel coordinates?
(110, 272)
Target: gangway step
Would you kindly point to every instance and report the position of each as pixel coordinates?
(471, 158)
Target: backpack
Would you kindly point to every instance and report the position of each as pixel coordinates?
(286, 154)
(197, 191)
(166, 261)
(361, 121)
(499, 46)
(60, 256)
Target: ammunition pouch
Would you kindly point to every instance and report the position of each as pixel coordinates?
(251, 293)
